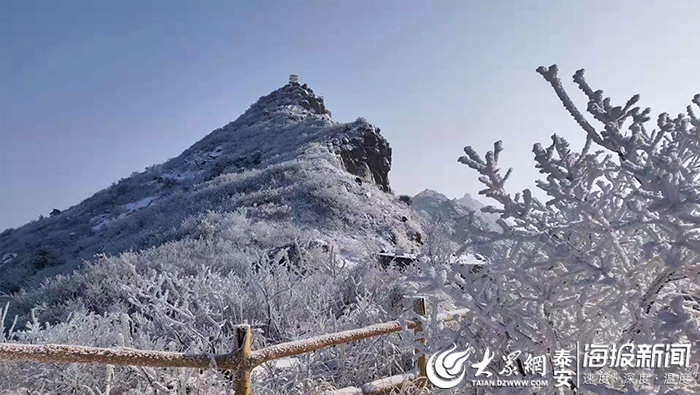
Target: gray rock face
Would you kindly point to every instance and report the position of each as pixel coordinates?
(362, 150)
(365, 153)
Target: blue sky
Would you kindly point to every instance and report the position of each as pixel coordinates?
(91, 91)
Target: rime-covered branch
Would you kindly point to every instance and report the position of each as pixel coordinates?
(606, 257)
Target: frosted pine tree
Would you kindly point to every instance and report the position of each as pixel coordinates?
(613, 255)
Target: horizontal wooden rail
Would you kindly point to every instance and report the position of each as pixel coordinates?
(304, 346)
(60, 353)
(241, 359)
(388, 384)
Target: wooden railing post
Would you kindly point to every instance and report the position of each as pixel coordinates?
(240, 360)
(422, 361)
(243, 338)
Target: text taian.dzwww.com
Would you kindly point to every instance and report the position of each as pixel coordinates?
(509, 383)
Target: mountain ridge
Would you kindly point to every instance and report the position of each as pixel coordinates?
(453, 213)
(277, 162)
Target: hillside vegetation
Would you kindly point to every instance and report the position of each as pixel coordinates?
(275, 219)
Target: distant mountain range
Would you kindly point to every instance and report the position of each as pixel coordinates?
(453, 214)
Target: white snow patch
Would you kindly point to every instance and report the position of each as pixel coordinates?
(345, 391)
(283, 363)
(388, 383)
(145, 202)
(218, 151)
(9, 257)
(468, 259)
(186, 175)
(99, 221)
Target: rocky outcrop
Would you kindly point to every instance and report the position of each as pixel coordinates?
(365, 153)
(308, 100)
(279, 106)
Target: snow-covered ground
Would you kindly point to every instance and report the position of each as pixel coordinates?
(143, 203)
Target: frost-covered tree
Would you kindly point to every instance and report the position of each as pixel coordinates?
(613, 255)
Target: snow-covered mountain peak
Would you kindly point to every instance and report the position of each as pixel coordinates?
(290, 103)
(284, 161)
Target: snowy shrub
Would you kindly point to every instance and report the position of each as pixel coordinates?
(611, 257)
(185, 296)
(407, 200)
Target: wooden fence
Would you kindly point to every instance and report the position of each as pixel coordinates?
(241, 360)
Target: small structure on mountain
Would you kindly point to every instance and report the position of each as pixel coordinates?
(399, 259)
(55, 212)
(476, 261)
(293, 79)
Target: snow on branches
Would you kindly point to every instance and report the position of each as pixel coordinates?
(612, 256)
